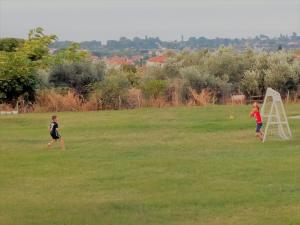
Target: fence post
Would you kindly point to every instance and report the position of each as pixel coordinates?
(120, 102)
(139, 100)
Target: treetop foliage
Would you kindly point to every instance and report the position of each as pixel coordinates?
(19, 65)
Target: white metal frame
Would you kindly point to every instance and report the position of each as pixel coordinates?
(273, 116)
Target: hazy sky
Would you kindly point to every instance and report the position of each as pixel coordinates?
(169, 19)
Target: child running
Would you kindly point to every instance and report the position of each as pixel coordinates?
(54, 133)
(255, 113)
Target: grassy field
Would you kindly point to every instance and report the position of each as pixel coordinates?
(181, 166)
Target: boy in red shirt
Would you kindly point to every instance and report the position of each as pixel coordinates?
(255, 113)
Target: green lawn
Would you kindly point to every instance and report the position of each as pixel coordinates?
(149, 166)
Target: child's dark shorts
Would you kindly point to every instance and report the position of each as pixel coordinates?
(55, 135)
(258, 127)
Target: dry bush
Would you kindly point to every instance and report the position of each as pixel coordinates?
(25, 107)
(6, 107)
(205, 97)
(238, 99)
(293, 97)
(52, 101)
(173, 93)
(134, 98)
(92, 104)
(155, 102)
(71, 102)
(47, 101)
(160, 102)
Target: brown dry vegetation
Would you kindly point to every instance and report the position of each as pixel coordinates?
(53, 101)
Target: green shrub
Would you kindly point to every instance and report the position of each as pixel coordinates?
(113, 91)
(153, 89)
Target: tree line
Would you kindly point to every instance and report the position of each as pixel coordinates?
(139, 44)
(28, 71)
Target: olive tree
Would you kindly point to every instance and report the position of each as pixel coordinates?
(250, 83)
(79, 76)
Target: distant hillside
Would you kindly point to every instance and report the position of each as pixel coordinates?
(136, 44)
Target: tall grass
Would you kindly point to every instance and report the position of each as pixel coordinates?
(6, 107)
(51, 100)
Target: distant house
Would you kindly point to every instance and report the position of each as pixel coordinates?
(156, 61)
(95, 58)
(117, 61)
(298, 55)
(136, 58)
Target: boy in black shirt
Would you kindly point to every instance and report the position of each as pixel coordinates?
(54, 133)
